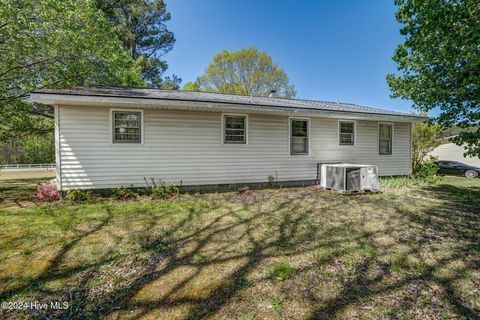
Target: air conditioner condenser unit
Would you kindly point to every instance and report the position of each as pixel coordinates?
(346, 177)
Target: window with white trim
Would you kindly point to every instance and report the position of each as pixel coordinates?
(299, 137)
(346, 133)
(127, 127)
(385, 137)
(234, 129)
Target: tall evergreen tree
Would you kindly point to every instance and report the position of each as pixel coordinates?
(140, 25)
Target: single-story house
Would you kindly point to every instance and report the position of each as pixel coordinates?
(448, 151)
(111, 137)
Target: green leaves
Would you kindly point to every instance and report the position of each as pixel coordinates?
(55, 44)
(140, 26)
(439, 62)
(425, 138)
(246, 71)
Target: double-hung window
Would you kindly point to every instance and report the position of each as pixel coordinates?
(126, 127)
(346, 133)
(235, 129)
(385, 138)
(299, 136)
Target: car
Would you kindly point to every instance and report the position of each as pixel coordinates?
(457, 168)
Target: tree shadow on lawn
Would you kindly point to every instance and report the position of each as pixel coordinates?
(288, 241)
(19, 193)
(199, 272)
(53, 271)
(456, 220)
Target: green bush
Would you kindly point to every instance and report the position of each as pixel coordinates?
(123, 193)
(426, 173)
(79, 195)
(281, 271)
(427, 170)
(163, 190)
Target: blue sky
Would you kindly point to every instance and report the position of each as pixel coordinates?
(334, 50)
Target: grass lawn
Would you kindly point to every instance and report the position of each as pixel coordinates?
(302, 253)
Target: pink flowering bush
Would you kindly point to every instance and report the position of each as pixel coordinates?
(48, 193)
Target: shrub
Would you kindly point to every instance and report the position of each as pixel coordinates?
(48, 193)
(426, 173)
(79, 195)
(123, 193)
(163, 190)
(281, 271)
(427, 170)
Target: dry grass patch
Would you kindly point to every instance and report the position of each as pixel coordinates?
(408, 254)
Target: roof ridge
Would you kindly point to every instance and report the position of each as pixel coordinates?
(231, 94)
(218, 97)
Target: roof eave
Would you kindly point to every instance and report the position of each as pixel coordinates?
(212, 106)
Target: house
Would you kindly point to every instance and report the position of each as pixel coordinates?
(449, 151)
(111, 137)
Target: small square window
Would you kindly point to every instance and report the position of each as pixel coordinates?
(127, 127)
(235, 129)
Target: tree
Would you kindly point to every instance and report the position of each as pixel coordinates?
(140, 26)
(425, 138)
(171, 83)
(439, 63)
(246, 71)
(191, 86)
(47, 44)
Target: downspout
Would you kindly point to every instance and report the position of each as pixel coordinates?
(58, 155)
(410, 147)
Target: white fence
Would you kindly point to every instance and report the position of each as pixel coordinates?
(27, 167)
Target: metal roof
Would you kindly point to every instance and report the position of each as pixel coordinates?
(208, 97)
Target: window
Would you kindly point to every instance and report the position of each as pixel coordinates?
(127, 126)
(385, 134)
(298, 137)
(235, 129)
(347, 133)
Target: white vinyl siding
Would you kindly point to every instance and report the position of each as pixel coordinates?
(186, 147)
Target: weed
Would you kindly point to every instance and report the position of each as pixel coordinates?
(198, 258)
(392, 312)
(281, 271)
(79, 195)
(277, 304)
(163, 191)
(123, 193)
(405, 181)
